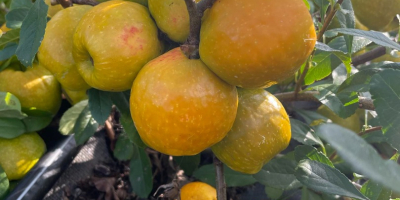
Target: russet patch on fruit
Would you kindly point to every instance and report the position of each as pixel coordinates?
(256, 43)
(179, 106)
(261, 130)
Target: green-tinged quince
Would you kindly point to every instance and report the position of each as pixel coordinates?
(55, 51)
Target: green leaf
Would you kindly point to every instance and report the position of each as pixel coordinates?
(273, 193)
(361, 156)
(8, 51)
(307, 194)
(346, 18)
(279, 173)
(206, 173)
(4, 183)
(322, 178)
(15, 17)
(323, 5)
(359, 82)
(15, 4)
(35, 123)
(307, 4)
(339, 43)
(375, 191)
(69, 118)
(9, 37)
(310, 116)
(385, 92)
(308, 152)
(140, 175)
(99, 104)
(321, 69)
(120, 100)
(124, 149)
(11, 128)
(188, 163)
(374, 36)
(303, 133)
(345, 58)
(10, 107)
(85, 126)
(32, 32)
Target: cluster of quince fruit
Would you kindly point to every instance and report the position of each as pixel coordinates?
(182, 106)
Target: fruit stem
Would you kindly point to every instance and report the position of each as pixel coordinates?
(220, 179)
(191, 46)
(69, 3)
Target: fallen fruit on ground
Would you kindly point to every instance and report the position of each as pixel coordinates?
(198, 191)
(376, 14)
(352, 122)
(179, 106)
(172, 17)
(55, 51)
(112, 42)
(256, 43)
(261, 130)
(35, 87)
(20, 154)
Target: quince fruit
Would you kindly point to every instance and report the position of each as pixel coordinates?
(179, 106)
(172, 17)
(55, 51)
(256, 43)
(20, 154)
(52, 9)
(376, 14)
(35, 87)
(198, 191)
(74, 97)
(112, 42)
(261, 130)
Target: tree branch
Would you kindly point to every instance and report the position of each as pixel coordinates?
(69, 3)
(364, 102)
(191, 47)
(378, 128)
(328, 20)
(221, 186)
(368, 56)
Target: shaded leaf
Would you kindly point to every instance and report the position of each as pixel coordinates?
(35, 123)
(15, 4)
(346, 18)
(322, 178)
(10, 107)
(310, 116)
(361, 156)
(32, 32)
(374, 36)
(273, 193)
(124, 149)
(8, 51)
(4, 183)
(308, 152)
(303, 133)
(140, 174)
(100, 104)
(375, 191)
(206, 173)
(11, 128)
(9, 37)
(279, 173)
(85, 126)
(188, 163)
(15, 17)
(307, 194)
(385, 92)
(120, 100)
(69, 118)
